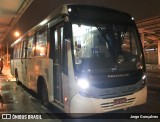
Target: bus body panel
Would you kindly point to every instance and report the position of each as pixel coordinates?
(66, 88)
(40, 67)
(17, 65)
(36, 67)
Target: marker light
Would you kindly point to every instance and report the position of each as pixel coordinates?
(83, 83)
(65, 99)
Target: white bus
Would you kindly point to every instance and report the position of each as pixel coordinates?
(83, 59)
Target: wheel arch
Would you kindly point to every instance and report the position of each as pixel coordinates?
(41, 82)
(16, 72)
(42, 90)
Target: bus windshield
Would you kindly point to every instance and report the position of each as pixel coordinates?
(101, 47)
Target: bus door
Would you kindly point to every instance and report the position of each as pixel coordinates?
(57, 34)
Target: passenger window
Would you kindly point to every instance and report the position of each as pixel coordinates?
(30, 47)
(17, 51)
(41, 43)
(24, 49)
(58, 35)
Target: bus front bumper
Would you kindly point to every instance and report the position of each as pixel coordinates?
(83, 106)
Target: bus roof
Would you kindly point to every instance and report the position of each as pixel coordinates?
(62, 10)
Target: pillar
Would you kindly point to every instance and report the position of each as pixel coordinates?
(158, 52)
(7, 54)
(142, 39)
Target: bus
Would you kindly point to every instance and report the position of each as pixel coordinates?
(83, 59)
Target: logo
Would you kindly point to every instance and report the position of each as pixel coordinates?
(120, 59)
(6, 116)
(21, 116)
(118, 75)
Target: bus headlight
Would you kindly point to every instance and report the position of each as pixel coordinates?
(143, 81)
(83, 83)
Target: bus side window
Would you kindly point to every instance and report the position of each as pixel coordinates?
(58, 35)
(24, 49)
(14, 52)
(65, 59)
(61, 35)
(17, 51)
(41, 43)
(30, 47)
(67, 34)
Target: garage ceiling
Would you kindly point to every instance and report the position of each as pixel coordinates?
(151, 29)
(10, 12)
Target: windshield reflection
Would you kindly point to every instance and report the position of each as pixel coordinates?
(109, 47)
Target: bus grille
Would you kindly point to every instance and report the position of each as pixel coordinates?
(115, 92)
(110, 105)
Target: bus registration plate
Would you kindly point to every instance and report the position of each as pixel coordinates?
(120, 101)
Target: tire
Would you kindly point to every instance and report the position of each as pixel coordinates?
(42, 91)
(44, 96)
